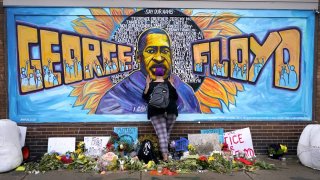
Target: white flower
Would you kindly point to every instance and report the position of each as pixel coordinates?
(215, 152)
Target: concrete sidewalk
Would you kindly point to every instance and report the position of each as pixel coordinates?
(290, 169)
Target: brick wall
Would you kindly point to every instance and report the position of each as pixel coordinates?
(263, 133)
(3, 68)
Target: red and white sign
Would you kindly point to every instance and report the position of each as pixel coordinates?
(240, 141)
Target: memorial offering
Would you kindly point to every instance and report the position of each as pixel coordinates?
(240, 141)
(95, 145)
(204, 143)
(221, 160)
(61, 145)
(218, 131)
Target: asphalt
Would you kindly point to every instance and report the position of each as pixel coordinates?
(291, 169)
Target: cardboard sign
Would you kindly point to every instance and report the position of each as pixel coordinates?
(95, 145)
(22, 136)
(204, 143)
(240, 141)
(61, 145)
(129, 134)
(219, 131)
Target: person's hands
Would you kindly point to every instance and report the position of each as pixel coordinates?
(171, 80)
(148, 80)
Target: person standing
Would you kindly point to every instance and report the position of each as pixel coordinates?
(162, 119)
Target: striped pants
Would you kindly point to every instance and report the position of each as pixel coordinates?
(163, 126)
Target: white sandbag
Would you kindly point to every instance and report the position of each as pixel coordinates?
(308, 149)
(10, 149)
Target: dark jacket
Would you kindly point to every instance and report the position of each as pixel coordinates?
(172, 107)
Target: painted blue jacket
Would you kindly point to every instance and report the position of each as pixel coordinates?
(126, 97)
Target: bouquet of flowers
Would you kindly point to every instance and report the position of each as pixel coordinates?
(80, 147)
(218, 163)
(125, 146)
(276, 151)
(47, 162)
(188, 165)
(66, 159)
(192, 150)
(70, 160)
(151, 165)
(221, 162)
(114, 138)
(108, 162)
(134, 164)
(203, 162)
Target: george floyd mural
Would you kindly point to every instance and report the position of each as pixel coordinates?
(90, 64)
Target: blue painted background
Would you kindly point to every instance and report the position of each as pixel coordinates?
(55, 105)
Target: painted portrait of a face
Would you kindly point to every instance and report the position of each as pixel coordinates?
(154, 51)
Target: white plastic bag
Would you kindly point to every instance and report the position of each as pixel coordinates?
(309, 146)
(10, 149)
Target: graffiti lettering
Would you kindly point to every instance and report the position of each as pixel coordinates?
(285, 45)
(49, 58)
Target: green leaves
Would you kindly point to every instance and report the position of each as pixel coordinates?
(264, 165)
(52, 162)
(217, 163)
(47, 162)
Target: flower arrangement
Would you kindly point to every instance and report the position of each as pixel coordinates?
(225, 147)
(219, 163)
(151, 165)
(210, 159)
(187, 165)
(107, 162)
(110, 161)
(110, 146)
(125, 146)
(203, 162)
(192, 150)
(47, 162)
(120, 146)
(65, 159)
(80, 147)
(276, 151)
(70, 160)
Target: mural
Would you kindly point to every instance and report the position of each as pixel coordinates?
(90, 64)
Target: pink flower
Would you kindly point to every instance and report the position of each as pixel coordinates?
(109, 156)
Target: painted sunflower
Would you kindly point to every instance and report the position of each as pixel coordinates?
(211, 93)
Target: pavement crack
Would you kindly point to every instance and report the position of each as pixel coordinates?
(248, 175)
(24, 176)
